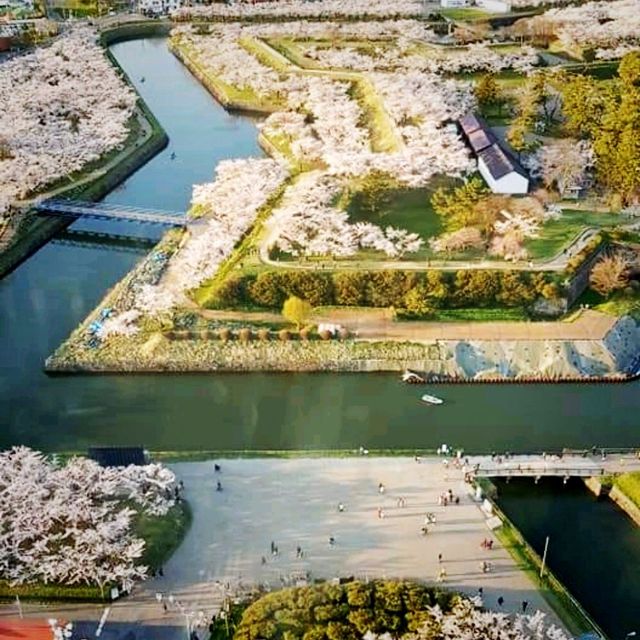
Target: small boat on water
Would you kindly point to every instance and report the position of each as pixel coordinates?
(411, 377)
(431, 399)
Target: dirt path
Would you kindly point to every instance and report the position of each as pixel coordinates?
(379, 324)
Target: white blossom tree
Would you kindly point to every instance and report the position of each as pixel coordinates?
(70, 525)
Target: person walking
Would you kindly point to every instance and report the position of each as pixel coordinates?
(500, 601)
(525, 604)
(381, 488)
(439, 558)
(442, 575)
(340, 507)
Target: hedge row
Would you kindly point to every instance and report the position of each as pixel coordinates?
(246, 335)
(39, 591)
(399, 289)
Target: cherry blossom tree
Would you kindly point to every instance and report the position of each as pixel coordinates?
(71, 524)
(61, 107)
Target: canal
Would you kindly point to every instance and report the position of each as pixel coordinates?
(594, 547)
(44, 299)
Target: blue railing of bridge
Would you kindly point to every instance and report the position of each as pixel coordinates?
(106, 211)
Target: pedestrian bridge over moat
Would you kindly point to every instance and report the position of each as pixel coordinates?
(559, 466)
(115, 212)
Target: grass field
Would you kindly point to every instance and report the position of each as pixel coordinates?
(498, 314)
(464, 13)
(557, 234)
(629, 484)
(409, 209)
(163, 534)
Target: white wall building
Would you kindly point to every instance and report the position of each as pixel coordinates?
(494, 6)
(500, 170)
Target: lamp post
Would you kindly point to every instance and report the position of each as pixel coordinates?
(544, 557)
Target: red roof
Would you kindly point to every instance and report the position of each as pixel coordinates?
(24, 630)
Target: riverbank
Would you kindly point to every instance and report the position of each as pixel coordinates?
(94, 182)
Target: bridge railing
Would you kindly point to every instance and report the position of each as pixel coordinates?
(533, 471)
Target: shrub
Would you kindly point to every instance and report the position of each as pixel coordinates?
(325, 335)
(244, 335)
(316, 288)
(344, 333)
(388, 288)
(225, 334)
(264, 335)
(305, 333)
(476, 288)
(284, 335)
(233, 292)
(267, 291)
(350, 288)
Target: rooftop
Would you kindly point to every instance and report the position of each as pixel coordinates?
(499, 162)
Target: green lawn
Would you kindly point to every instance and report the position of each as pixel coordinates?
(629, 484)
(162, 534)
(464, 13)
(497, 314)
(408, 209)
(557, 234)
(621, 304)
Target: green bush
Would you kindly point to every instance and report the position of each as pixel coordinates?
(79, 593)
(418, 294)
(340, 612)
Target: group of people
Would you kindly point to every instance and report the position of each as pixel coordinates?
(446, 498)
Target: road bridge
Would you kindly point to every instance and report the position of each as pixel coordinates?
(105, 211)
(545, 465)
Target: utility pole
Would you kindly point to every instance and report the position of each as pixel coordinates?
(544, 557)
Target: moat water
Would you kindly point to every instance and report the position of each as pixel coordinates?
(46, 297)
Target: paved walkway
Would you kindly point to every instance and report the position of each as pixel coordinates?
(294, 503)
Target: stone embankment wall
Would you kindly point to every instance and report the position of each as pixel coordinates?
(441, 361)
(626, 504)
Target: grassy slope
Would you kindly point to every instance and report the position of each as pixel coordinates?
(383, 134)
(556, 234)
(163, 534)
(629, 484)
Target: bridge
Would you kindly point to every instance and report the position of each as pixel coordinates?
(544, 465)
(105, 211)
